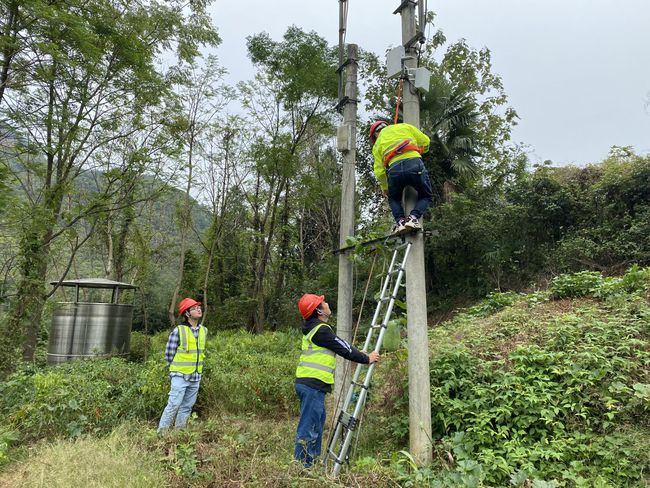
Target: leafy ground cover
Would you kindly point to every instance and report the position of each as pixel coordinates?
(549, 387)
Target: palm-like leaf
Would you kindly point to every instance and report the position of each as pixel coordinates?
(451, 121)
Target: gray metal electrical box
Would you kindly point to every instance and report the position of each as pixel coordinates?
(344, 138)
(394, 61)
(422, 79)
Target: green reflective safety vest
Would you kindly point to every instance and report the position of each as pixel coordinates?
(315, 361)
(190, 353)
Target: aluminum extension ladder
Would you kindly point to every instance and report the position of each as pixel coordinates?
(339, 444)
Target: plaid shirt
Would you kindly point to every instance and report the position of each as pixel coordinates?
(170, 351)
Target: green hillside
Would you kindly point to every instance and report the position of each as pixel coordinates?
(550, 388)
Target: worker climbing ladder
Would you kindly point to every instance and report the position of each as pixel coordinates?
(348, 421)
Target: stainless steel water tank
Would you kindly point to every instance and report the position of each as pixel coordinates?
(87, 327)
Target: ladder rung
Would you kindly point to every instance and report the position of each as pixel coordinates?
(347, 420)
(360, 385)
(334, 456)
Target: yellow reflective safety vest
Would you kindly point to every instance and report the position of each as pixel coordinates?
(315, 361)
(190, 353)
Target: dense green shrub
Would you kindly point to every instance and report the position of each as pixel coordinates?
(584, 283)
(243, 373)
(140, 347)
(537, 224)
(513, 401)
(250, 373)
(73, 398)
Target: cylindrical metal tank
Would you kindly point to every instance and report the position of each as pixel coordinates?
(90, 330)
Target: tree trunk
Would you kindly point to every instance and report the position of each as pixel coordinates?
(448, 188)
(35, 243)
(208, 268)
(27, 311)
(283, 252)
(185, 224)
(10, 49)
(264, 255)
(121, 247)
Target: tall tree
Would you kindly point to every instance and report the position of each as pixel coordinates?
(12, 22)
(86, 66)
(123, 163)
(294, 93)
(202, 98)
(222, 175)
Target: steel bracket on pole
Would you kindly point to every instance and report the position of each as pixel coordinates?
(418, 37)
(403, 5)
(343, 102)
(345, 63)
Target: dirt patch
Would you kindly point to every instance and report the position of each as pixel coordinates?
(507, 346)
(556, 307)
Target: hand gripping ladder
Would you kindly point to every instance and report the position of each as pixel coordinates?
(348, 420)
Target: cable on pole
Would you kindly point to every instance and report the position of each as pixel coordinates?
(422, 18)
(343, 22)
(399, 98)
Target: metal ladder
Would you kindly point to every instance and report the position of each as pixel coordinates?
(339, 444)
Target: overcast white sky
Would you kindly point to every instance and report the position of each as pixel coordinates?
(576, 71)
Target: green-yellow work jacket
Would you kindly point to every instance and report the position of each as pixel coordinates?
(389, 138)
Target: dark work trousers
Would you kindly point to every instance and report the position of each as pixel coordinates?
(408, 172)
(309, 435)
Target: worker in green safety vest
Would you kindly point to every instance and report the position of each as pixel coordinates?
(185, 352)
(315, 373)
(397, 151)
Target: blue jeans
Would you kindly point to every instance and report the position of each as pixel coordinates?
(408, 172)
(309, 436)
(182, 396)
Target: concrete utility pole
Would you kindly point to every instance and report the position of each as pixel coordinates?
(416, 299)
(346, 142)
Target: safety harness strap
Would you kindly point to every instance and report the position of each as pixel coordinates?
(401, 148)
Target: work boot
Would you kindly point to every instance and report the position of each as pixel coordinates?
(412, 222)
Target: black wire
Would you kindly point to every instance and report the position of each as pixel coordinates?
(345, 19)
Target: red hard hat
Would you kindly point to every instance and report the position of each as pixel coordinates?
(308, 303)
(375, 128)
(185, 304)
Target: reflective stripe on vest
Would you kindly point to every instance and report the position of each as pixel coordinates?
(190, 353)
(315, 361)
(400, 148)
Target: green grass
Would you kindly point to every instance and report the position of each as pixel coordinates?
(118, 460)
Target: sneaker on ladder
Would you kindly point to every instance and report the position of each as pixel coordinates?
(412, 222)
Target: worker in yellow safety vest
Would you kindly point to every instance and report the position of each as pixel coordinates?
(315, 373)
(184, 353)
(396, 150)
